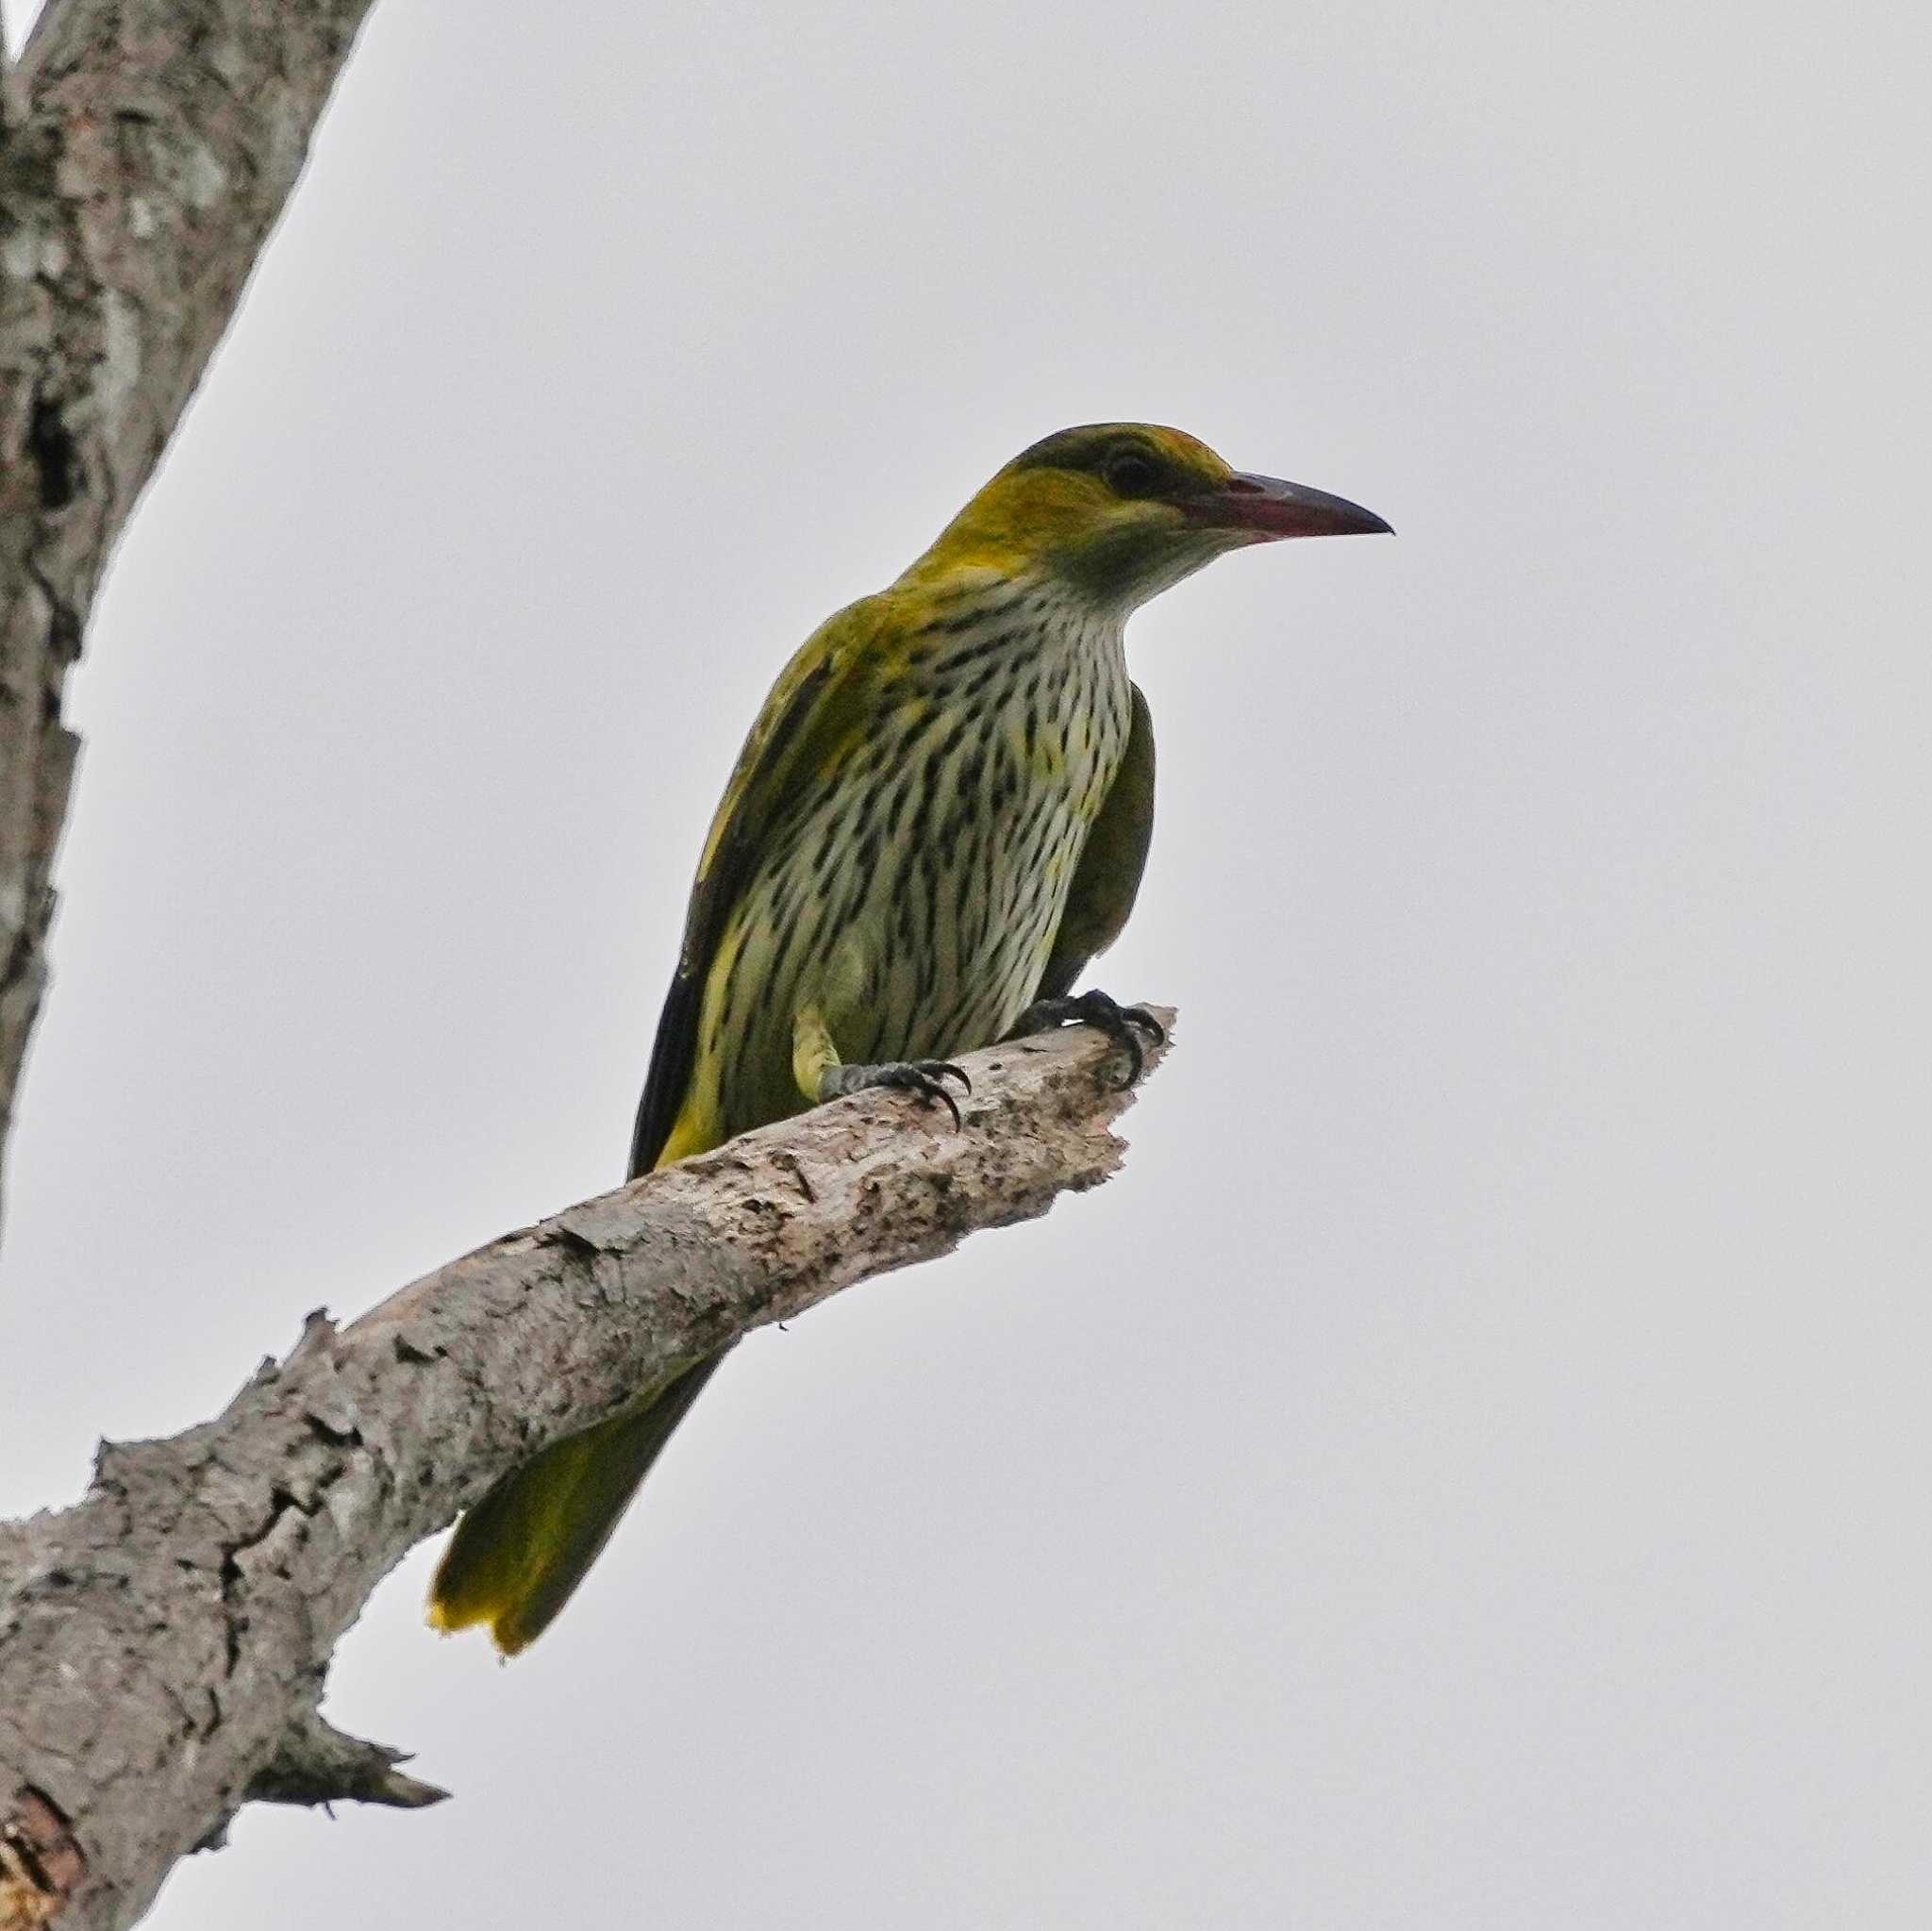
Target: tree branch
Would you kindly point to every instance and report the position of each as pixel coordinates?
(146, 149)
(165, 1643)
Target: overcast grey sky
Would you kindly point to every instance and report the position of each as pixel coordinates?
(1471, 1469)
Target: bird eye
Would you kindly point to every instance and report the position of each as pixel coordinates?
(1131, 472)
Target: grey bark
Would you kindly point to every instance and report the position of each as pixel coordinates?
(146, 149)
(165, 1643)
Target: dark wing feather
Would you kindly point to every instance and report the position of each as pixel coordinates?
(812, 706)
(671, 1056)
(1109, 874)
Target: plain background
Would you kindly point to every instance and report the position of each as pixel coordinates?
(1471, 1469)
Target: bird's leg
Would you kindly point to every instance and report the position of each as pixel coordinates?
(822, 1075)
(1122, 1024)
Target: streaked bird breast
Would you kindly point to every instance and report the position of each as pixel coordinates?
(915, 891)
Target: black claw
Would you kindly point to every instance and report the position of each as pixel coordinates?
(921, 1076)
(1105, 1015)
(935, 1089)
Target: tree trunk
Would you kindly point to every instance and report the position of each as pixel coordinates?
(146, 148)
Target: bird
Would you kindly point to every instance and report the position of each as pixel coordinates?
(941, 815)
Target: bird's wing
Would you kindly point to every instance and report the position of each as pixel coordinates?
(1109, 874)
(813, 716)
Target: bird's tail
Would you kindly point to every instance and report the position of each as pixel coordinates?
(520, 1553)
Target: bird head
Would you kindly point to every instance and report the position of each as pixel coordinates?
(1121, 511)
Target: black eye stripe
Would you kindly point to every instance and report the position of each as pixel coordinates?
(1132, 472)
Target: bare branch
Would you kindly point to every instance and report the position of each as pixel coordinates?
(146, 149)
(165, 1643)
(316, 1763)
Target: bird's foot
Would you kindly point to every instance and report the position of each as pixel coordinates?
(1122, 1024)
(922, 1076)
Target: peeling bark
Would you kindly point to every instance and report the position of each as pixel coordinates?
(146, 149)
(41, 1865)
(165, 1643)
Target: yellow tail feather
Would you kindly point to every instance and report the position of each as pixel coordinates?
(519, 1555)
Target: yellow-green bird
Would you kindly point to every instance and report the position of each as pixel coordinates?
(941, 815)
